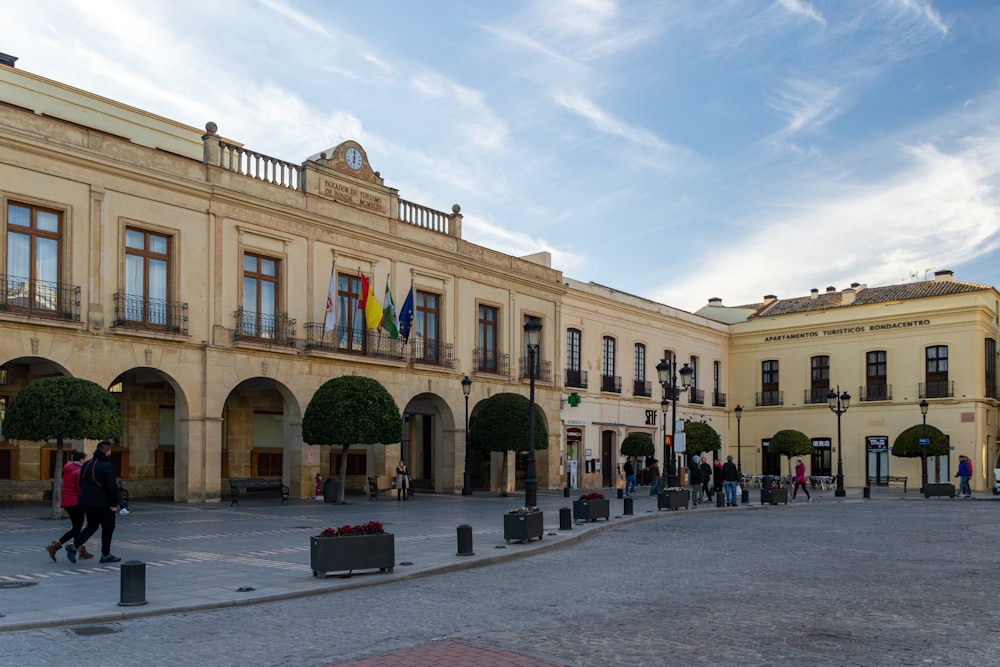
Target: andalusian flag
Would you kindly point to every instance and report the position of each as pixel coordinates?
(329, 322)
(390, 323)
(368, 304)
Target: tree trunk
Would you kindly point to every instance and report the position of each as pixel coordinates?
(343, 475)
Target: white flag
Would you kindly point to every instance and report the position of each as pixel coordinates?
(331, 301)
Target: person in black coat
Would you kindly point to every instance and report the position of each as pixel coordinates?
(100, 500)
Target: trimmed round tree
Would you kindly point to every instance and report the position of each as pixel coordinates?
(62, 408)
(500, 424)
(790, 442)
(907, 444)
(638, 444)
(351, 410)
(700, 437)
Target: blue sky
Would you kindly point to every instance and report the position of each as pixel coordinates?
(674, 149)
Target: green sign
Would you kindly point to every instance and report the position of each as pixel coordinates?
(573, 400)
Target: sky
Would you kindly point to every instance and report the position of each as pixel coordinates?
(678, 150)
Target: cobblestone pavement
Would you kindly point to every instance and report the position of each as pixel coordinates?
(887, 581)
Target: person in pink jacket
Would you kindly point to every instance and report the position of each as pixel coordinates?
(800, 480)
(71, 503)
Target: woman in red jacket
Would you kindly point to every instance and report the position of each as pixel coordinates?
(71, 503)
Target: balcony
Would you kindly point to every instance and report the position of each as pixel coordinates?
(266, 329)
(937, 389)
(642, 388)
(39, 298)
(543, 372)
(576, 379)
(766, 398)
(611, 383)
(490, 361)
(136, 312)
(875, 392)
(815, 396)
(718, 399)
(696, 396)
(432, 352)
(364, 342)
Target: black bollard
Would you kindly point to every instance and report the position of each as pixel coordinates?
(465, 541)
(720, 499)
(621, 493)
(628, 507)
(745, 496)
(565, 492)
(565, 518)
(133, 583)
(868, 492)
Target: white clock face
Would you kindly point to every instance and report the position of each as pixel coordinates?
(353, 158)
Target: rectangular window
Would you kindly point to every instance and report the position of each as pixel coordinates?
(350, 327)
(718, 397)
(574, 376)
(822, 461)
(260, 296)
(640, 362)
(266, 463)
(486, 339)
(609, 381)
(147, 271)
(769, 392)
(990, 364)
(937, 372)
(876, 376)
(34, 238)
(426, 318)
(819, 380)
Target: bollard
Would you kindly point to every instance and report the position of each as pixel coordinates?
(133, 583)
(465, 541)
(745, 496)
(868, 492)
(628, 507)
(565, 492)
(621, 493)
(720, 499)
(565, 518)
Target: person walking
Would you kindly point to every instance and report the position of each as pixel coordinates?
(629, 469)
(800, 480)
(730, 480)
(694, 479)
(71, 503)
(100, 499)
(654, 477)
(706, 478)
(964, 474)
(402, 481)
(717, 476)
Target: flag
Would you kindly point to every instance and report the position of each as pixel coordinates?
(330, 321)
(368, 304)
(406, 315)
(390, 323)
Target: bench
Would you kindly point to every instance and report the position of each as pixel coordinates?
(255, 485)
(888, 480)
(377, 485)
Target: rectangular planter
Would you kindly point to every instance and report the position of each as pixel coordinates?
(355, 552)
(523, 527)
(773, 496)
(592, 510)
(939, 490)
(673, 500)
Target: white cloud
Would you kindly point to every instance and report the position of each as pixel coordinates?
(804, 9)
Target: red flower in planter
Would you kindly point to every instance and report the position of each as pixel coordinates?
(592, 496)
(370, 528)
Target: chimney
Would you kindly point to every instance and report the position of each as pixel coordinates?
(814, 293)
(944, 276)
(831, 288)
(770, 298)
(7, 59)
(715, 301)
(847, 297)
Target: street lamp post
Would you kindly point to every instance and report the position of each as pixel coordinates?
(745, 495)
(466, 388)
(924, 441)
(839, 403)
(666, 373)
(532, 334)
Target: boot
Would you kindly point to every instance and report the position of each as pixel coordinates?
(83, 553)
(53, 549)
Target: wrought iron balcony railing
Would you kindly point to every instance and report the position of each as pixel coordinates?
(262, 328)
(765, 398)
(875, 392)
(718, 399)
(642, 388)
(937, 389)
(611, 383)
(576, 379)
(136, 312)
(543, 370)
(40, 298)
(490, 361)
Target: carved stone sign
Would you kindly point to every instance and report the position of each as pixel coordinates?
(354, 195)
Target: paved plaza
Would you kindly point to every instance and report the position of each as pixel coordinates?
(894, 580)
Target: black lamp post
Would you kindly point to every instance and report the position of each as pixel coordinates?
(532, 335)
(466, 388)
(924, 441)
(665, 406)
(745, 494)
(839, 403)
(666, 373)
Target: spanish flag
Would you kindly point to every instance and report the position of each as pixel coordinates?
(368, 304)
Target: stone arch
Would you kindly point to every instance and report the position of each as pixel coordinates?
(429, 444)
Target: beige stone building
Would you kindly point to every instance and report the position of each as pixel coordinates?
(191, 276)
